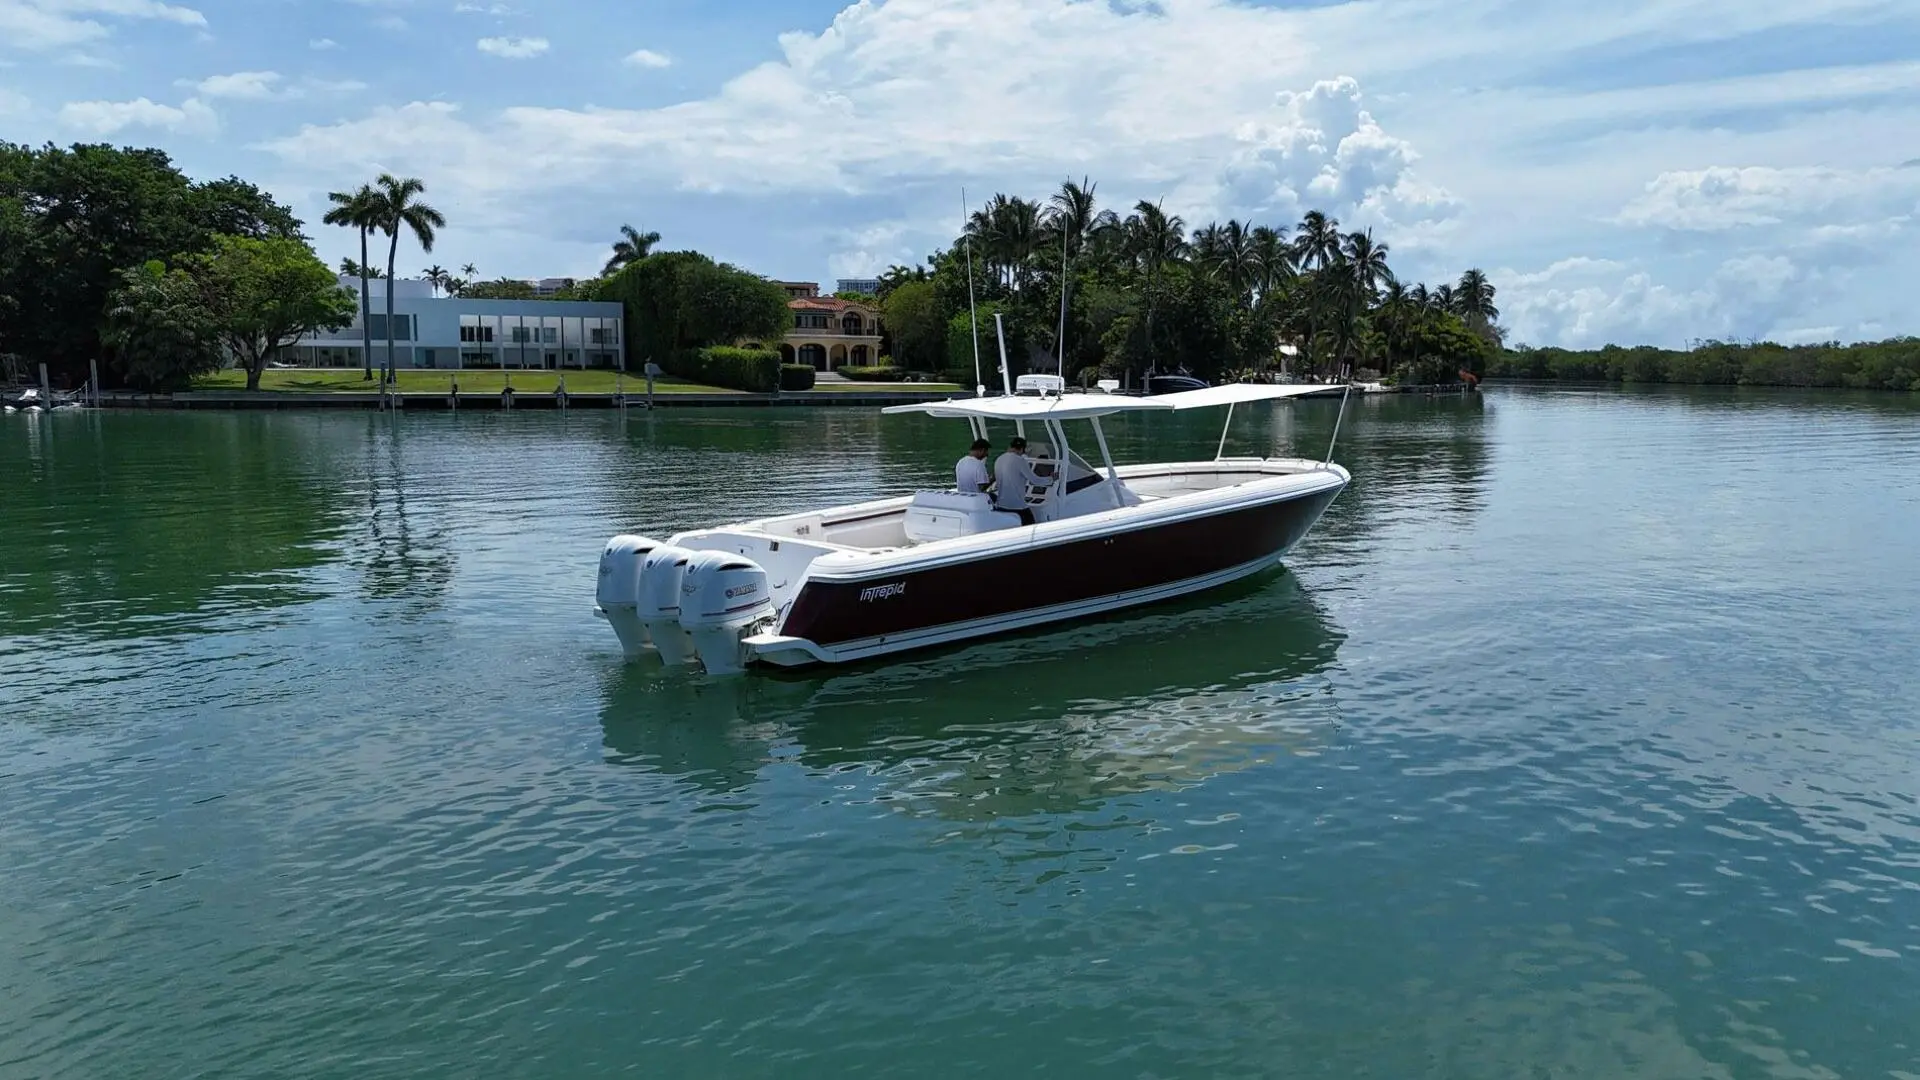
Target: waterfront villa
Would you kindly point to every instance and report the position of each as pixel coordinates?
(452, 332)
(828, 333)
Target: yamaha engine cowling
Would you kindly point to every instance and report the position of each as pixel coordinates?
(618, 594)
(660, 579)
(723, 599)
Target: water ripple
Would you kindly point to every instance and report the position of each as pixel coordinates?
(1577, 741)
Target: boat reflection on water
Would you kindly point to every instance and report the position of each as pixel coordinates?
(1043, 723)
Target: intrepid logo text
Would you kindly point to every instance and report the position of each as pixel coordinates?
(882, 592)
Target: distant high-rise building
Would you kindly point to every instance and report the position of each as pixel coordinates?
(867, 285)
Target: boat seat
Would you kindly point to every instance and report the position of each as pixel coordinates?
(943, 515)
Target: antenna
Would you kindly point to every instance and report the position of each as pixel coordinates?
(1065, 283)
(973, 314)
(1342, 415)
(1000, 331)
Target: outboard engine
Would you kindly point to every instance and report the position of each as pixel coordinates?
(723, 598)
(660, 578)
(618, 595)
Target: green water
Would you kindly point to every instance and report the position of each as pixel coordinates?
(1579, 740)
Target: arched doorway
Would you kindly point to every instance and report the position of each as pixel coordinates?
(815, 355)
(786, 354)
(860, 355)
(837, 358)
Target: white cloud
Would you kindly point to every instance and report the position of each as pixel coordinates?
(1322, 149)
(513, 48)
(102, 118)
(1722, 197)
(1584, 302)
(647, 58)
(241, 85)
(13, 104)
(331, 86)
(38, 25)
(872, 249)
(267, 86)
(1451, 129)
(322, 44)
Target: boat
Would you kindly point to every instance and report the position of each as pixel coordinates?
(852, 583)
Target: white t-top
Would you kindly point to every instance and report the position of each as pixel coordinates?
(1014, 476)
(970, 475)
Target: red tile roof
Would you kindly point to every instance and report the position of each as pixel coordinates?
(825, 303)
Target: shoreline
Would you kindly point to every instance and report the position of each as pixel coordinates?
(552, 401)
(501, 402)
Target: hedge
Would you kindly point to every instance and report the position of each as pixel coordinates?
(872, 373)
(756, 371)
(796, 376)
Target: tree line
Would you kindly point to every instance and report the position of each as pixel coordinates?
(1878, 365)
(113, 255)
(1139, 293)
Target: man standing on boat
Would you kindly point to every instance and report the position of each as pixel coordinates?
(1012, 476)
(970, 472)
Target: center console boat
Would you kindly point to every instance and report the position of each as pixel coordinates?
(854, 582)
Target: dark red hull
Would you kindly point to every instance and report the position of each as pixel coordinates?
(1038, 578)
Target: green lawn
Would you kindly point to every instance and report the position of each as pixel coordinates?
(338, 381)
(334, 381)
(888, 387)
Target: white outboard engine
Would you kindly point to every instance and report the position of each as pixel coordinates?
(723, 598)
(660, 578)
(618, 595)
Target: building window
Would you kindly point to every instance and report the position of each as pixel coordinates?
(476, 334)
(549, 335)
(402, 327)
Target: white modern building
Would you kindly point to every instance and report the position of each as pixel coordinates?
(451, 333)
(865, 285)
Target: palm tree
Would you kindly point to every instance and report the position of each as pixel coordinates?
(896, 275)
(1367, 262)
(1071, 211)
(1394, 318)
(1473, 302)
(1009, 234)
(359, 210)
(1273, 263)
(399, 207)
(1227, 253)
(1317, 240)
(632, 247)
(1153, 240)
(437, 277)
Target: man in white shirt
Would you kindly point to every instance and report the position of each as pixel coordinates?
(970, 472)
(1012, 476)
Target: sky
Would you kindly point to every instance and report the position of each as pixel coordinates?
(1634, 171)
